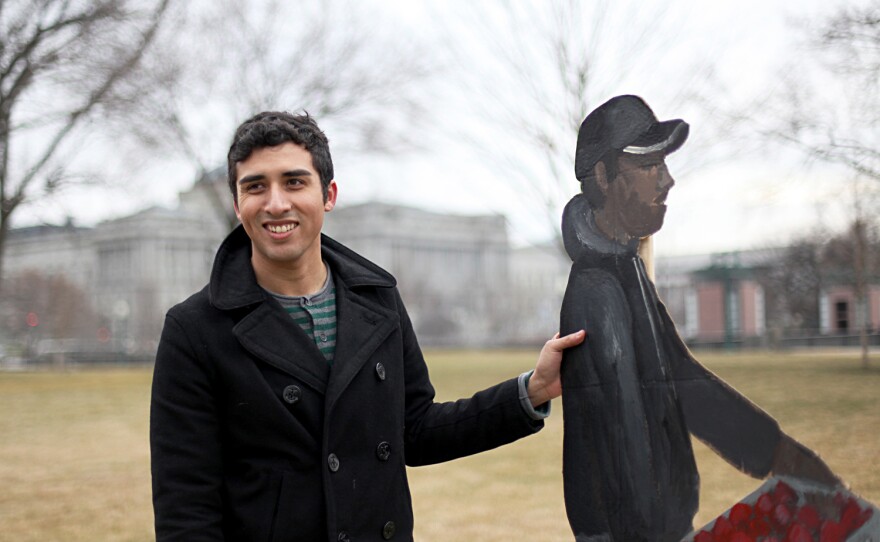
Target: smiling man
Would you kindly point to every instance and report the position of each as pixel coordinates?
(633, 393)
(280, 201)
(290, 393)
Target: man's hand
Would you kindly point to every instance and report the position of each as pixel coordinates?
(791, 458)
(544, 384)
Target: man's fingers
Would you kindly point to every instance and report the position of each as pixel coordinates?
(573, 339)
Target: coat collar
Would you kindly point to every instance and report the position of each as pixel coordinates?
(234, 285)
(582, 237)
(268, 333)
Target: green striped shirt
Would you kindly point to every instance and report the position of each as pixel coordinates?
(316, 315)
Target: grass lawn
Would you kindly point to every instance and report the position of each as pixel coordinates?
(74, 456)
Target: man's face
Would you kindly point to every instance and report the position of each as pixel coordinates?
(635, 204)
(281, 206)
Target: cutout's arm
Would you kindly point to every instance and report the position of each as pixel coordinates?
(791, 458)
(737, 429)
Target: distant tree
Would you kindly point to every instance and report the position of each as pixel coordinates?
(808, 266)
(836, 122)
(528, 73)
(229, 59)
(793, 286)
(36, 306)
(850, 258)
(61, 67)
(828, 109)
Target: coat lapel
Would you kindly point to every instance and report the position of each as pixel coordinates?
(269, 333)
(364, 325)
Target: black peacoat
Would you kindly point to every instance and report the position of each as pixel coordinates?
(254, 437)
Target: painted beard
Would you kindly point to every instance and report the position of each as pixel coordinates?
(636, 218)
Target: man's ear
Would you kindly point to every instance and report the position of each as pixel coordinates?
(601, 176)
(235, 206)
(330, 200)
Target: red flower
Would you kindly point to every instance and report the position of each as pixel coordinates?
(740, 513)
(765, 504)
(799, 533)
(831, 531)
(784, 494)
(781, 515)
(722, 529)
(809, 516)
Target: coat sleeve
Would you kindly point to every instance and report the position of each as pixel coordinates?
(184, 441)
(437, 432)
(724, 419)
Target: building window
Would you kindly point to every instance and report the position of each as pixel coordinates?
(734, 318)
(841, 316)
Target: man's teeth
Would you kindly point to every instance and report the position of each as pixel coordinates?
(281, 229)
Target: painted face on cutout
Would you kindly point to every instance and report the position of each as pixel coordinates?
(281, 206)
(635, 202)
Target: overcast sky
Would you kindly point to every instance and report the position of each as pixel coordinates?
(746, 201)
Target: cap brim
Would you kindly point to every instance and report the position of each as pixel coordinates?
(665, 137)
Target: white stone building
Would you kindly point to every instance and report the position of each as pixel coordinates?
(452, 270)
(538, 276)
(131, 269)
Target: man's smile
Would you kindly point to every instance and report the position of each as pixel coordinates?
(282, 228)
(661, 199)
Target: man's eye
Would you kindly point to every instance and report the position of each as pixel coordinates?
(294, 182)
(253, 187)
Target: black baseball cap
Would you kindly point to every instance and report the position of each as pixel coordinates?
(625, 124)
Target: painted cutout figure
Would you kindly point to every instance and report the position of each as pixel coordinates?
(632, 392)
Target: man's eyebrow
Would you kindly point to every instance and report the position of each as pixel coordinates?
(251, 178)
(297, 173)
(261, 177)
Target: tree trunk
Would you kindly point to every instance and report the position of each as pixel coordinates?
(861, 290)
(4, 230)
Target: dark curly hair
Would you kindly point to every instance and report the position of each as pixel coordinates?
(272, 128)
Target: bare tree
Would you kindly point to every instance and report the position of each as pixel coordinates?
(529, 72)
(61, 63)
(850, 41)
(830, 111)
(830, 106)
(793, 286)
(231, 59)
(814, 263)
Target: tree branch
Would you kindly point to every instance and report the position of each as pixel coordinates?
(96, 98)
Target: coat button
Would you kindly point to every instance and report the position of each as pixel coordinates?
(333, 462)
(292, 394)
(343, 537)
(383, 451)
(388, 530)
(380, 371)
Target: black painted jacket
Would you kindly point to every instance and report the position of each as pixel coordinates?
(632, 393)
(254, 437)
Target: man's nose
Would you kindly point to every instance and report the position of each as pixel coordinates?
(666, 180)
(277, 202)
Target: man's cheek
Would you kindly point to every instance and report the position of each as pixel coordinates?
(640, 213)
